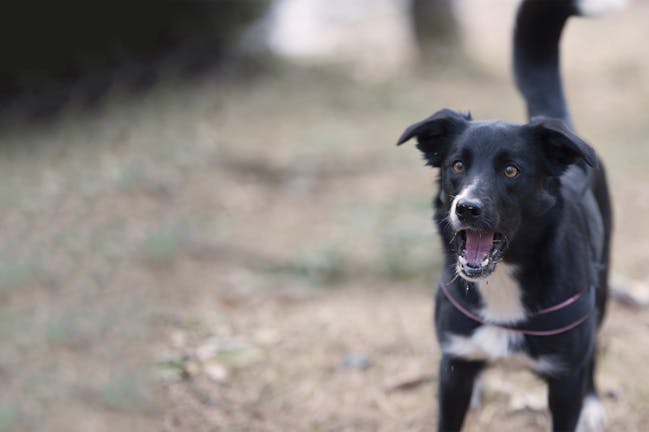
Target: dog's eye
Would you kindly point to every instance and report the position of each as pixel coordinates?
(458, 166)
(510, 171)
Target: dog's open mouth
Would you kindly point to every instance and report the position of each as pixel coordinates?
(478, 252)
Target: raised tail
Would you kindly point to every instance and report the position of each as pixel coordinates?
(537, 33)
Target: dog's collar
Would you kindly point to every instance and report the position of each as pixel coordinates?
(550, 321)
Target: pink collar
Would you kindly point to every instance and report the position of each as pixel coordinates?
(550, 321)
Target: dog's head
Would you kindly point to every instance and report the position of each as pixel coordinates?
(497, 180)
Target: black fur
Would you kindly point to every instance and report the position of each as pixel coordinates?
(552, 219)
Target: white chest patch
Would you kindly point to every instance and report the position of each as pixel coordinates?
(501, 294)
(496, 345)
(486, 343)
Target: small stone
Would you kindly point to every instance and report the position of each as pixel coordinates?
(357, 361)
(208, 349)
(178, 339)
(216, 371)
(528, 402)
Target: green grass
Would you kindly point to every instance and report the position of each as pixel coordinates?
(410, 254)
(164, 244)
(132, 174)
(10, 418)
(318, 266)
(126, 393)
(15, 274)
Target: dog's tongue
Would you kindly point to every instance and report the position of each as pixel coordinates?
(478, 246)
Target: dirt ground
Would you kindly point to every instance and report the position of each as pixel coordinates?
(257, 255)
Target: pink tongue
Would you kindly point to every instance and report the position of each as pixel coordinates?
(478, 246)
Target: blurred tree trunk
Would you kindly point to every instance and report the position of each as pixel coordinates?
(435, 26)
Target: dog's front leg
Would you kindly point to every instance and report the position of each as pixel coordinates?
(565, 399)
(456, 380)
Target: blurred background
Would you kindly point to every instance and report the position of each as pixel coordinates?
(206, 224)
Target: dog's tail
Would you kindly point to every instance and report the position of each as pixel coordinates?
(537, 34)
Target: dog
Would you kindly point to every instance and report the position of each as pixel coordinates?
(524, 216)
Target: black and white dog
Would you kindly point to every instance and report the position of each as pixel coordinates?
(525, 220)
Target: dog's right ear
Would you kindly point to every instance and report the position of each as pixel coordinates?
(435, 134)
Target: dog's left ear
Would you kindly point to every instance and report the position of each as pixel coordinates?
(435, 134)
(560, 146)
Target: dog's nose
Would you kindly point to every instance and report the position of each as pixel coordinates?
(468, 210)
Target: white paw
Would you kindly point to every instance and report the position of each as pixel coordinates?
(599, 7)
(476, 395)
(592, 417)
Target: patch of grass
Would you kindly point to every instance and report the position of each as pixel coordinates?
(238, 356)
(408, 255)
(66, 329)
(16, 328)
(108, 239)
(165, 244)
(80, 326)
(80, 179)
(172, 370)
(8, 322)
(406, 245)
(125, 393)
(14, 274)
(320, 140)
(317, 266)
(9, 418)
(45, 384)
(131, 175)
(13, 194)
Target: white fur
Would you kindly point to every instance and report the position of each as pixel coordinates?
(599, 7)
(466, 193)
(486, 343)
(476, 394)
(592, 417)
(501, 294)
(493, 344)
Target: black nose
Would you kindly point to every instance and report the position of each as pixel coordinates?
(468, 210)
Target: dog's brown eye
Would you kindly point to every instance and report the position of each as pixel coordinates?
(511, 171)
(458, 166)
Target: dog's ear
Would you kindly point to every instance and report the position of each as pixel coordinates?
(435, 134)
(559, 145)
